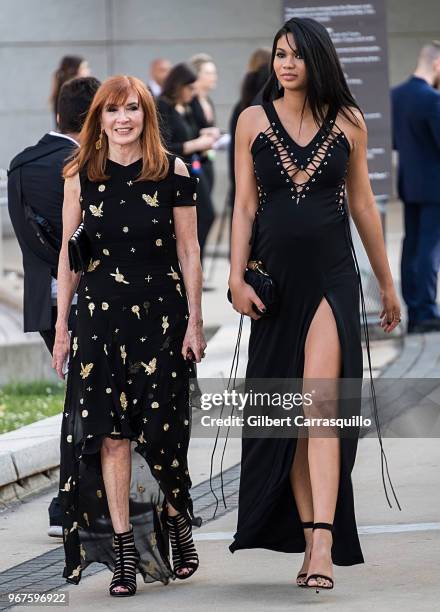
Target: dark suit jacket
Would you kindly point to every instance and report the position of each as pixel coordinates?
(416, 136)
(39, 170)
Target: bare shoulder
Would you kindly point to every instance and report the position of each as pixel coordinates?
(72, 184)
(352, 123)
(251, 121)
(180, 167)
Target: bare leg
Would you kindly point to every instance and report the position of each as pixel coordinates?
(116, 472)
(302, 491)
(323, 361)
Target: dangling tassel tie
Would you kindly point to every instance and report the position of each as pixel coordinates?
(383, 459)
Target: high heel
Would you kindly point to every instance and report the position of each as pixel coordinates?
(127, 558)
(302, 575)
(316, 577)
(182, 546)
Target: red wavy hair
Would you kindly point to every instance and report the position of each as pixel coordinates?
(116, 90)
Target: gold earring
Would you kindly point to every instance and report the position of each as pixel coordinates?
(98, 143)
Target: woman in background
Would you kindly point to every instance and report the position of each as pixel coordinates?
(183, 137)
(203, 107)
(71, 66)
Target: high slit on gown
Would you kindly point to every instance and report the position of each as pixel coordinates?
(302, 239)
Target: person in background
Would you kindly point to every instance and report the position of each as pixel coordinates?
(71, 66)
(36, 191)
(260, 57)
(159, 70)
(203, 107)
(182, 137)
(251, 87)
(416, 137)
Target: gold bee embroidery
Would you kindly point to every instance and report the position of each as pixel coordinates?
(106, 251)
(140, 488)
(101, 188)
(67, 485)
(76, 572)
(93, 265)
(151, 201)
(141, 438)
(173, 274)
(159, 242)
(123, 400)
(150, 367)
(155, 405)
(91, 308)
(165, 324)
(85, 370)
(153, 539)
(179, 289)
(157, 467)
(135, 309)
(123, 354)
(166, 427)
(96, 210)
(175, 463)
(99, 493)
(75, 345)
(176, 492)
(119, 278)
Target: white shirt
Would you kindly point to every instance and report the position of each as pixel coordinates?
(155, 88)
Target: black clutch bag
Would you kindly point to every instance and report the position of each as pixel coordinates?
(263, 285)
(79, 250)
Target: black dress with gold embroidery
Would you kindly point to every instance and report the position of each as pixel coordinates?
(127, 377)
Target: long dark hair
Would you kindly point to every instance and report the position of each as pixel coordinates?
(68, 69)
(178, 77)
(326, 83)
(252, 85)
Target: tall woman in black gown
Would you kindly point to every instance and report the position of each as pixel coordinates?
(296, 155)
(137, 332)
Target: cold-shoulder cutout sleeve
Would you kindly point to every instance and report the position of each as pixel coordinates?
(185, 190)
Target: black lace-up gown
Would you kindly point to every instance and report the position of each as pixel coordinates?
(127, 377)
(302, 240)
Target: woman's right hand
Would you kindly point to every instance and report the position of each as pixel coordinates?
(61, 350)
(244, 298)
(205, 142)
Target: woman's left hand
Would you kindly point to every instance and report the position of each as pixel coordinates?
(390, 316)
(194, 343)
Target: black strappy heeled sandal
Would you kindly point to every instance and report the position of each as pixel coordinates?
(127, 558)
(316, 577)
(182, 545)
(302, 575)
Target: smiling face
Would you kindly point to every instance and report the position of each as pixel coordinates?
(123, 123)
(288, 65)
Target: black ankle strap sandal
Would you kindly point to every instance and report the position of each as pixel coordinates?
(182, 545)
(321, 577)
(300, 579)
(127, 558)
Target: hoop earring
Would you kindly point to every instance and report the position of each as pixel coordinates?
(98, 143)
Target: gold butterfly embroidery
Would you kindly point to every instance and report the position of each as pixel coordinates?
(93, 265)
(165, 324)
(151, 201)
(85, 370)
(173, 274)
(96, 210)
(150, 367)
(123, 400)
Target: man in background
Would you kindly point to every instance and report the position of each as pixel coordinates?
(416, 137)
(159, 70)
(35, 202)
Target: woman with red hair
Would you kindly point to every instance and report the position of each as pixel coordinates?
(132, 352)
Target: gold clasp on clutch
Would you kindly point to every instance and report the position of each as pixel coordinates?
(257, 265)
